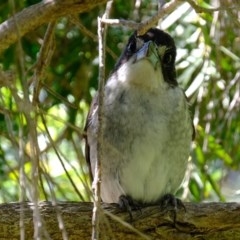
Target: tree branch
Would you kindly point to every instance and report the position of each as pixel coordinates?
(200, 221)
(34, 16)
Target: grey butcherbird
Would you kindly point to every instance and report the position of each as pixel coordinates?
(147, 128)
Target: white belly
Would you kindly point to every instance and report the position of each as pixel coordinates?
(146, 144)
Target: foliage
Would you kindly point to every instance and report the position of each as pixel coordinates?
(41, 132)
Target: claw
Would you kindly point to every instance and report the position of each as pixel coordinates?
(170, 203)
(128, 204)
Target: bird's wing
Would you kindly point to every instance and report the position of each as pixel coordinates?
(193, 128)
(85, 136)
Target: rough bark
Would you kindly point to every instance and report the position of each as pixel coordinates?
(200, 221)
(34, 16)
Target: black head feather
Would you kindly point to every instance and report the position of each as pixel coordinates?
(160, 38)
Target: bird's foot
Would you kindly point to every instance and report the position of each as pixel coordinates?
(126, 203)
(172, 204)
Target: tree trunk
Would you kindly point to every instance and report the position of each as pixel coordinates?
(72, 220)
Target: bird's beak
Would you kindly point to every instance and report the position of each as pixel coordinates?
(148, 51)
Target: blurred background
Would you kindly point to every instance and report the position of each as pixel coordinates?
(47, 82)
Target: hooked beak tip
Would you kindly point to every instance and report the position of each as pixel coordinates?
(148, 51)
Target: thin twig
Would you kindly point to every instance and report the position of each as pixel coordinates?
(88, 33)
(45, 56)
(200, 9)
(53, 144)
(127, 225)
(59, 214)
(121, 22)
(97, 176)
(166, 9)
(143, 27)
(102, 29)
(32, 140)
(38, 14)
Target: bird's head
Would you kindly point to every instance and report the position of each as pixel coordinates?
(148, 60)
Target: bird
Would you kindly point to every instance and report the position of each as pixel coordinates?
(147, 128)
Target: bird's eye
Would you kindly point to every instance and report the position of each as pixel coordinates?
(135, 45)
(132, 47)
(168, 58)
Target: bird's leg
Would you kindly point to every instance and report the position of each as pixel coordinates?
(126, 203)
(172, 204)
